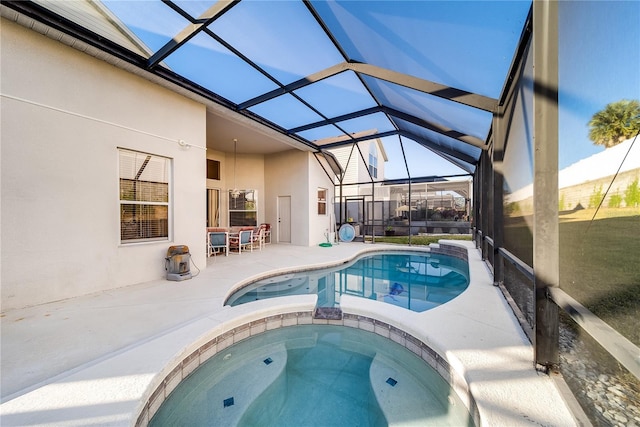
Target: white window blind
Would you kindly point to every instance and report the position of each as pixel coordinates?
(144, 196)
(243, 208)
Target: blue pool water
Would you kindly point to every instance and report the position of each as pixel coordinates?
(313, 375)
(417, 281)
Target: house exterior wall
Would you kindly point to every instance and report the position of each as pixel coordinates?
(287, 175)
(219, 184)
(249, 176)
(297, 174)
(319, 224)
(220, 156)
(382, 158)
(351, 169)
(363, 167)
(357, 171)
(64, 116)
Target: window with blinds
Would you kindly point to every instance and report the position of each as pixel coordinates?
(144, 196)
(243, 208)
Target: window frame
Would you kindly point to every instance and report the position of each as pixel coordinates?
(213, 169)
(322, 202)
(168, 174)
(373, 160)
(233, 207)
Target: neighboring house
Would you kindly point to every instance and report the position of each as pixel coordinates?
(103, 169)
(355, 169)
(360, 168)
(591, 176)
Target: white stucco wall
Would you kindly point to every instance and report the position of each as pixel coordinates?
(249, 176)
(297, 174)
(64, 114)
(221, 157)
(219, 184)
(286, 174)
(319, 224)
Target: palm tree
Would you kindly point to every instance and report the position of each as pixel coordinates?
(618, 121)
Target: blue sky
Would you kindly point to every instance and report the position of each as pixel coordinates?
(421, 161)
(599, 60)
(599, 63)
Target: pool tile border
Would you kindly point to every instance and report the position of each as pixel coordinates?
(451, 250)
(196, 358)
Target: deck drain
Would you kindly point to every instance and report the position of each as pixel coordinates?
(228, 402)
(391, 382)
(268, 361)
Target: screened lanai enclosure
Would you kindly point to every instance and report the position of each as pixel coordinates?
(405, 207)
(466, 117)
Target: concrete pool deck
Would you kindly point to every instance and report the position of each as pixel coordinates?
(94, 360)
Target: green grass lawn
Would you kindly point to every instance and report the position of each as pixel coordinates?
(599, 262)
(600, 265)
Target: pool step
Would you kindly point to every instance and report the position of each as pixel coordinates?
(328, 313)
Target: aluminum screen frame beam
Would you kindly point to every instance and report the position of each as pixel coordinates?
(546, 253)
(443, 130)
(421, 85)
(201, 23)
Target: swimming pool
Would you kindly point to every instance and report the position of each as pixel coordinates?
(310, 375)
(414, 280)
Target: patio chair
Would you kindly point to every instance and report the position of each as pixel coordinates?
(242, 239)
(217, 241)
(267, 232)
(257, 240)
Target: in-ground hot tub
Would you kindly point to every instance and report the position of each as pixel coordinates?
(314, 375)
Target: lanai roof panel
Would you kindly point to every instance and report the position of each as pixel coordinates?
(195, 8)
(318, 134)
(448, 114)
(206, 62)
(321, 71)
(280, 37)
(287, 111)
(378, 121)
(438, 142)
(340, 94)
(466, 45)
